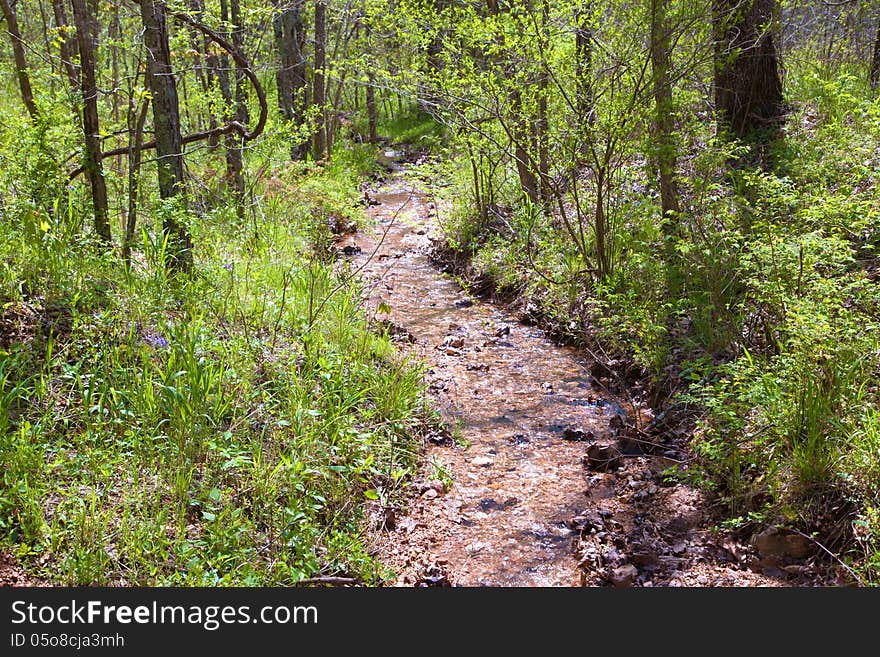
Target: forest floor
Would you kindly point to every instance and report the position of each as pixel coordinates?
(541, 485)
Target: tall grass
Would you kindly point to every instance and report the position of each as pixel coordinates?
(225, 428)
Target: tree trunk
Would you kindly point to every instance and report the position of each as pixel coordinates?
(584, 100)
(234, 163)
(748, 86)
(875, 61)
(234, 141)
(284, 35)
(67, 45)
(292, 76)
(166, 126)
(86, 38)
(664, 119)
(319, 140)
(542, 126)
(371, 107)
(136, 121)
(21, 67)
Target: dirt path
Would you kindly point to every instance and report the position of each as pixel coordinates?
(522, 508)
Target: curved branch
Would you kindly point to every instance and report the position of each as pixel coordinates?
(240, 61)
(231, 126)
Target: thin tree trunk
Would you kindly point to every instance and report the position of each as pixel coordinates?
(291, 74)
(166, 126)
(664, 119)
(45, 31)
(584, 100)
(136, 139)
(370, 93)
(319, 139)
(875, 61)
(234, 163)
(86, 37)
(542, 124)
(519, 133)
(67, 45)
(284, 34)
(234, 141)
(371, 107)
(748, 86)
(21, 66)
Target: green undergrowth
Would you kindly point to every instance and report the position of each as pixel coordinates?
(760, 314)
(228, 427)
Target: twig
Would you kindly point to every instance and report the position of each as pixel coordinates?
(833, 556)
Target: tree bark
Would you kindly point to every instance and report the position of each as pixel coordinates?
(875, 61)
(166, 126)
(234, 140)
(67, 45)
(86, 38)
(136, 140)
(319, 139)
(291, 77)
(748, 86)
(542, 126)
(664, 119)
(370, 94)
(21, 66)
(584, 92)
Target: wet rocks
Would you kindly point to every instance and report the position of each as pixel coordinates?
(431, 575)
(603, 457)
(573, 434)
(396, 332)
(586, 521)
(452, 344)
(518, 439)
(349, 250)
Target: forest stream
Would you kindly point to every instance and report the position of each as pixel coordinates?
(514, 502)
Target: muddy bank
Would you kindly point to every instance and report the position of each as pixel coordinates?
(543, 487)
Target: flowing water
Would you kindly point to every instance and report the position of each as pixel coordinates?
(522, 510)
(510, 390)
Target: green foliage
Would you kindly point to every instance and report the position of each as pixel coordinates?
(757, 305)
(214, 429)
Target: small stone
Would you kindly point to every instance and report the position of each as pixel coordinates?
(454, 341)
(482, 461)
(430, 494)
(624, 576)
(577, 435)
